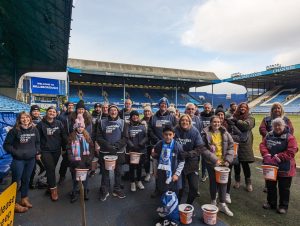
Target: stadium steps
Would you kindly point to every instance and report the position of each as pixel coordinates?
(265, 97)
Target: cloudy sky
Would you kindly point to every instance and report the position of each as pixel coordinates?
(222, 36)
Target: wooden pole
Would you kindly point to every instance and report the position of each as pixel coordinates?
(82, 203)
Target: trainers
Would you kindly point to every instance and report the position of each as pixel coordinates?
(147, 177)
(224, 209)
(140, 185)
(267, 206)
(237, 185)
(214, 202)
(118, 193)
(281, 211)
(249, 188)
(203, 178)
(103, 195)
(228, 198)
(132, 186)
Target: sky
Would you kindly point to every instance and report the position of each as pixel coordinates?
(221, 36)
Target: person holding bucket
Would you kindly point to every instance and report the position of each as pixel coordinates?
(136, 146)
(277, 111)
(189, 137)
(80, 152)
(245, 123)
(278, 148)
(218, 151)
(112, 138)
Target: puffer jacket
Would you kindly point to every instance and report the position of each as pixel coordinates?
(227, 146)
(285, 147)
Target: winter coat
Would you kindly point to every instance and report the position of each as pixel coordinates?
(192, 144)
(22, 143)
(285, 146)
(125, 114)
(245, 150)
(266, 126)
(52, 135)
(96, 117)
(86, 160)
(227, 146)
(177, 166)
(137, 137)
(157, 123)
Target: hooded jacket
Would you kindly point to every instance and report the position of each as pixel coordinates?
(137, 137)
(227, 146)
(53, 136)
(22, 143)
(205, 118)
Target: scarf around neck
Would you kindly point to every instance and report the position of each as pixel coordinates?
(78, 145)
(165, 160)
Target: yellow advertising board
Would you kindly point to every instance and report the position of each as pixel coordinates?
(7, 205)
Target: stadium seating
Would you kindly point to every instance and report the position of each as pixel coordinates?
(12, 105)
(6, 120)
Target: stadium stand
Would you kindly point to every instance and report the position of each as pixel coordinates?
(12, 105)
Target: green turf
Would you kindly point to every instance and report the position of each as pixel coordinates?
(247, 207)
(295, 119)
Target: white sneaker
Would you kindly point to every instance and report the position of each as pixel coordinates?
(228, 198)
(140, 185)
(224, 208)
(214, 202)
(147, 177)
(132, 186)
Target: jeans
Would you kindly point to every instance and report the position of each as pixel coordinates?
(42, 168)
(21, 171)
(193, 181)
(203, 167)
(229, 180)
(105, 181)
(132, 169)
(50, 160)
(246, 169)
(214, 186)
(64, 165)
(284, 184)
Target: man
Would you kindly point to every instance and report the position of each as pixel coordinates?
(205, 117)
(111, 136)
(63, 117)
(157, 123)
(125, 112)
(231, 110)
(190, 109)
(104, 109)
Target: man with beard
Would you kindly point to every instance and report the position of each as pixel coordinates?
(125, 112)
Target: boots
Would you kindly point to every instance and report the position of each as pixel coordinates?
(20, 209)
(54, 194)
(25, 202)
(249, 187)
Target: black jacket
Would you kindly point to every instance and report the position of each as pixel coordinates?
(22, 143)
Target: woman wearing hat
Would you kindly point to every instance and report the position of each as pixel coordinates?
(53, 140)
(136, 142)
(112, 138)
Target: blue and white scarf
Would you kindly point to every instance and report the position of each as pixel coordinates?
(165, 160)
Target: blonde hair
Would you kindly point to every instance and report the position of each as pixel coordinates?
(277, 104)
(185, 116)
(18, 121)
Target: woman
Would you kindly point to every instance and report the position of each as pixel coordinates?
(218, 151)
(279, 148)
(277, 111)
(145, 120)
(23, 143)
(245, 123)
(53, 141)
(136, 142)
(189, 137)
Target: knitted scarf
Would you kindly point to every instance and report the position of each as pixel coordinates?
(76, 147)
(165, 160)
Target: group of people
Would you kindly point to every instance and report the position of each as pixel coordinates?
(176, 144)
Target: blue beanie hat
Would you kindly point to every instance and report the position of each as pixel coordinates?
(164, 99)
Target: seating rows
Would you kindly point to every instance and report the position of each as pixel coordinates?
(11, 105)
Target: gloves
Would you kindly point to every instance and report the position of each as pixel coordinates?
(184, 154)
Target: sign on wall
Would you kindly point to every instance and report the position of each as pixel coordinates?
(44, 86)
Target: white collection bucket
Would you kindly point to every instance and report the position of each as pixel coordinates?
(110, 162)
(270, 172)
(81, 174)
(209, 214)
(135, 157)
(186, 213)
(222, 174)
(94, 163)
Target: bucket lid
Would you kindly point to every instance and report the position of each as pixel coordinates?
(76, 169)
(222, 169)
(210, 208)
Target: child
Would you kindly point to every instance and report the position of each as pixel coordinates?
(170, 162)
(136, 142)
(80, 153)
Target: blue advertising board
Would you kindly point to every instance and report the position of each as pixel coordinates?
(44, 86)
